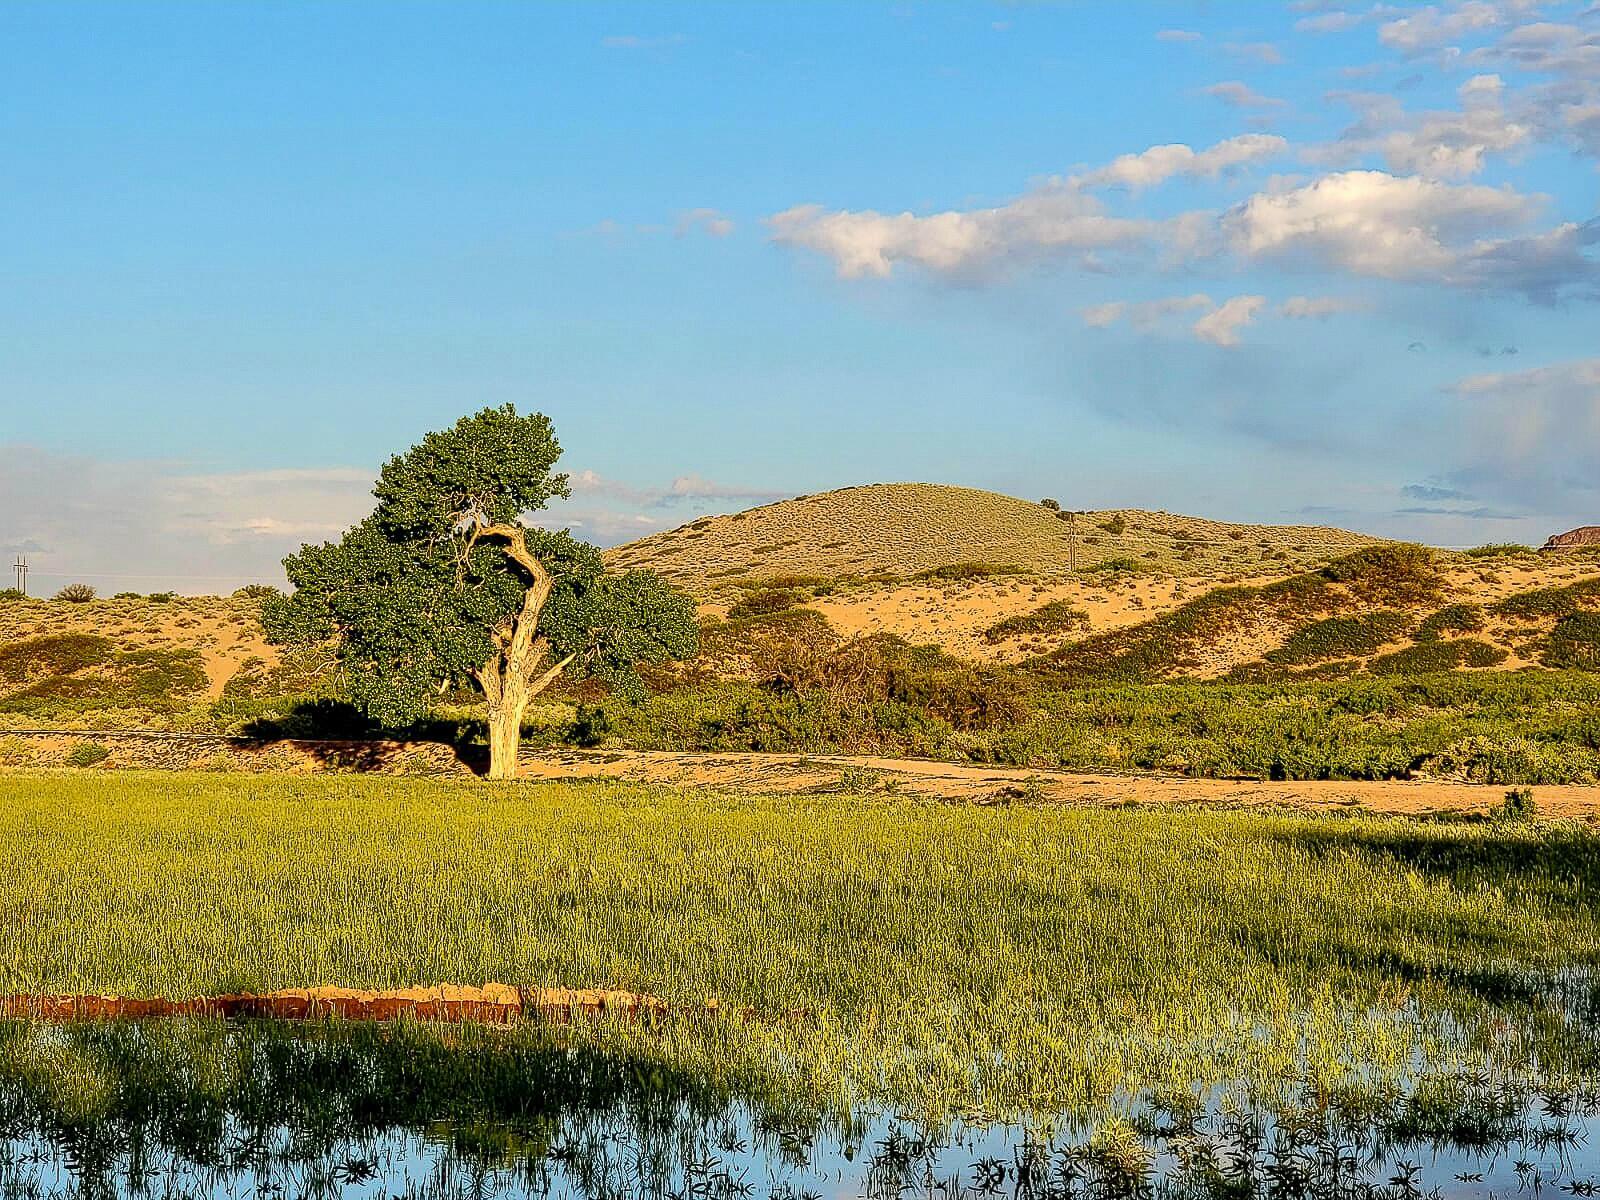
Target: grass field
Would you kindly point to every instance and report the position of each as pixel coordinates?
(943, 959)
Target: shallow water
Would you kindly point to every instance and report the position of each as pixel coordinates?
(1457, 1137)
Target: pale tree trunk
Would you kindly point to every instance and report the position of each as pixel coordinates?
(508, 679)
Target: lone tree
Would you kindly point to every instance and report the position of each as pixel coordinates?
(443, 586)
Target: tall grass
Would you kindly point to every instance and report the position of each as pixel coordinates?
(945, 959)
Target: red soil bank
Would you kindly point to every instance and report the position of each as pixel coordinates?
(494, 1002)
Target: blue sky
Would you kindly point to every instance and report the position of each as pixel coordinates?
(1304, 262)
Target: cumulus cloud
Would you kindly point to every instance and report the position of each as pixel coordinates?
(1056, 218)
(1437, 145)
(1178, 35)
(1160, 163)
(1412, 229)
(1435, 27)
(608, 511)
(1261, 52)
(1221, 326)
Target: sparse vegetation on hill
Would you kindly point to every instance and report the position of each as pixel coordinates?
(906, 529)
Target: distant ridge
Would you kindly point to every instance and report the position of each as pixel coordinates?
(902, 529)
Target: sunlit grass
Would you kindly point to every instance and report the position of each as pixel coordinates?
(942, 957)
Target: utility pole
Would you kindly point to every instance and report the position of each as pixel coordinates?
(21, 569)
(1072, 540)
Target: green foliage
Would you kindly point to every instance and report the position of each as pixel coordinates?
(1518, 807)
(87, 754)
(1428, 657)
(761, 601)
(1395, 573)
(1341, 637)
(1575, 642)
(1114, 525)
(257, 591)
(11, 593)
(1114, 566)
(58, 654)
(1453, 618)
(1498, 550)
(969, 570)
(1052, 505)
(411, 600)
(1056, 617)
(1550, 601)
(76, 593)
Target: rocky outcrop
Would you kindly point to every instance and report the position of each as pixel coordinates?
(1585, 535)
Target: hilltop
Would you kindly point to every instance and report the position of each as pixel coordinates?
(902, 530)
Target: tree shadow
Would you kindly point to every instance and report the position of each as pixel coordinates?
(339, 736)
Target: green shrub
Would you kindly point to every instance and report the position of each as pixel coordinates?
(1341, 637)
(1518, 807)
(76, 593)
(57, 654)
(1052, 505)
(1498, 550)
(1575, 642)
(162, 597)
(1113, 566)
(1394, 573)
(1055, 617)
(12, 593)
(126, 596)
(1550, 601)
(256, 591)
(1114, 525)
(969, 570)
(1427, 657)
(87, 754)
(1453, 618)
(762, 601)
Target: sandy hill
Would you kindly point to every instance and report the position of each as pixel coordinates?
(905, 529)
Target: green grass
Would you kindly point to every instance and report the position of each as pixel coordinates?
(1057, 616)
(943, 958)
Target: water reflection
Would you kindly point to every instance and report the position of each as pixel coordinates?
(198, 1109)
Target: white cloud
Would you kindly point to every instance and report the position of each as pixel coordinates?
(1437, 145)
(1144, 314)
(1218, 324)
(1435, 27)
(1056, 217)
(1178, 35)
(1373, 223)
(1221, 326)
(707, 220)
(1160, 163)
(1237, 94)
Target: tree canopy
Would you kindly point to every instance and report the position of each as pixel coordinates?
(442, 586)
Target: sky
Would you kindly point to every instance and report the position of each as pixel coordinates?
(1293, 263)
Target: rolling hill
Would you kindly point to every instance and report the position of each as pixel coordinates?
(901, 530)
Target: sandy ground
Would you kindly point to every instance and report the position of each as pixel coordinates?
(969, 783)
